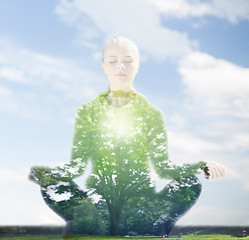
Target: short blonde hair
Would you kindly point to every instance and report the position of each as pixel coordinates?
(121, 40)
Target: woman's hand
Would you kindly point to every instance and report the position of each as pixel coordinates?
(215, 170)
(41, 175)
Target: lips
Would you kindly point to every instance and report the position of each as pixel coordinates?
(120, 74)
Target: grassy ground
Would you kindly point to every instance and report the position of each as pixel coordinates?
(186, 237)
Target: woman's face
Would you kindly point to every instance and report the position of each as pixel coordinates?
(121, 64)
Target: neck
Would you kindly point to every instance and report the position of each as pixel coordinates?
(123, 87)
(120, 98)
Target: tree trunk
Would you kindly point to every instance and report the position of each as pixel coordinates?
(115, 214)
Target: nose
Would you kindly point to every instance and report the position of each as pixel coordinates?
(120, 66)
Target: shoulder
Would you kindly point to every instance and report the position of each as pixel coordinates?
(84, 108)
(151, 110)
(92, 105)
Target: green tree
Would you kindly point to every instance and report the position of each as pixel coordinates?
(141, 213)
(118, 141)
(87, 219)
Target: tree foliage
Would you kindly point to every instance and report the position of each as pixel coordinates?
(88, 220)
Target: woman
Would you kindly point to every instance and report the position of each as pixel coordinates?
(119, 131)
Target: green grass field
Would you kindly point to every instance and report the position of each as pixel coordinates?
(187, 237)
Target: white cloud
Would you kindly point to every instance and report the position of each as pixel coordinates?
(232, 10)
(190, 144)
(30, 79)
(99, 19)
(186, 148)
(61, 75)
(217, 93)
(182, 8)
(227, 147)
(12, 74)
(14, 103)
(219, 86)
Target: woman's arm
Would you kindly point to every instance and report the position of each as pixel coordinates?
(80, 153)
(158, 150)
(158, 154)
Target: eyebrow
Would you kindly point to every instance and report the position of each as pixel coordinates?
(117, 57)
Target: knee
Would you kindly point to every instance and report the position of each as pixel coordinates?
(196, 186)
(194, 183)
(190, 185)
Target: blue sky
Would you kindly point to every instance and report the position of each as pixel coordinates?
(194, 66)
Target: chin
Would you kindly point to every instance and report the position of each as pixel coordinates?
(122, 79)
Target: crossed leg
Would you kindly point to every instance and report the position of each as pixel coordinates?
(157, 212)
(171, 203)
(63, 198)
(182, 194)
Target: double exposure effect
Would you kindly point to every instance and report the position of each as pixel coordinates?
(119, 131)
